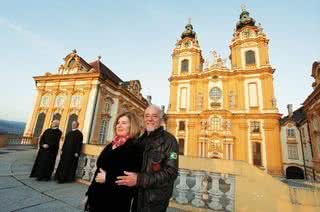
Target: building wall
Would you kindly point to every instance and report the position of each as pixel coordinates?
(312, 108)
(285, 141)
(52, 87)
(81, 90)
(247, 95)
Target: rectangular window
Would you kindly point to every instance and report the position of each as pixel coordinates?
(253, 94)
(215, 123)
(44, 101)
(102, 132)
(182, 126)
(250, 57)
(181, 146)
(76, 101)
(184, 65)
(255, 126)
(291, 132)
(293, 152)
(256, 151)
(183, 98)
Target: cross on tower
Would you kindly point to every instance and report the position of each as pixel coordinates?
(243, 7)
(189, 20)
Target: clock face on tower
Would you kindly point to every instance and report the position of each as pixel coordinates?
(187, 44)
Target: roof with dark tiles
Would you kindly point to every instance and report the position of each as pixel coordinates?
(106, 73)
(298, 116)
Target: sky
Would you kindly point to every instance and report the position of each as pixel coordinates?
(136, 39)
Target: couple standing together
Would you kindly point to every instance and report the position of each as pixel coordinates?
(135, 173)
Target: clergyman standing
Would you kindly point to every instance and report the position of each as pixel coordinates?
(70, 155)
(48, 149)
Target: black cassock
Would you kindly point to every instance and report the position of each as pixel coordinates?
(68, 161)
(109, 196)
(46, 158)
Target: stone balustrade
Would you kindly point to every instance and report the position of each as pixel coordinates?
(194, 188)
(208, 190)
(15, 140)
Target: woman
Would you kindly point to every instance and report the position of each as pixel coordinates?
(123, 154)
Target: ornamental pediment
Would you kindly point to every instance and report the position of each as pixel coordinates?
(134, 87)
(73, 64)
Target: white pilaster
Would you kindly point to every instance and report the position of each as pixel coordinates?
(26, 129)
(89, 113)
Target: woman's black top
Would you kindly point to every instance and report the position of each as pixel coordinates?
(109, 196)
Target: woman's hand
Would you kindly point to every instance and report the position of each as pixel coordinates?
(101, 176)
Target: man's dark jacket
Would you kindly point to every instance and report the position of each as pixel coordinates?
(159, 171)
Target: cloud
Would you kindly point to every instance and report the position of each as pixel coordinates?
(33, 38)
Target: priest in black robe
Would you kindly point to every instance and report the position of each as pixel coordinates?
(48, 149)
(70, 155)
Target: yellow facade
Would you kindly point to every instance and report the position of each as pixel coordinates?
(227, 113)
(312, 109)
(87, 92)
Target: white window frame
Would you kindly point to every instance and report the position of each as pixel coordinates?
(103, 130)
(293, 153)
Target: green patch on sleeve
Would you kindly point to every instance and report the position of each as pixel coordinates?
(173, 156)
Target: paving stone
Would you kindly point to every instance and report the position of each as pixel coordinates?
(21, 166)
(53, 206)
(43, 186)
(20, 197)
(8, 182)
(24, 176)
(72, 193)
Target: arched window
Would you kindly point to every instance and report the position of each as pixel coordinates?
(72, 117)
(103, 129)
(185, 65)
(215, 93)
(250, 58)
(71, 62)
(39, 125)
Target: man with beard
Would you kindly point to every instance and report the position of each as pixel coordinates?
(48, 149)
(70, 155)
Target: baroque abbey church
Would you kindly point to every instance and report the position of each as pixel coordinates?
(221, 112)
